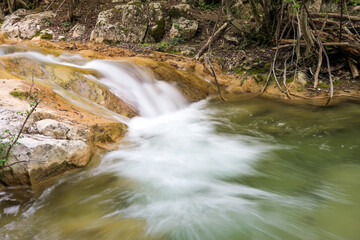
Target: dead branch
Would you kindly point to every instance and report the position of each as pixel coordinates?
(336, 16)
(59, 7)
(353, 68)
(207, 60)
(318, 68)
(211, 39)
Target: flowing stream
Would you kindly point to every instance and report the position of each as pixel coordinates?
(250, 169)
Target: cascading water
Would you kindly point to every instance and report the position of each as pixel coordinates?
(178, 175)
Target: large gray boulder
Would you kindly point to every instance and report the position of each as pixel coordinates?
(183, 28)
(133, 22)
(48, 147)
(22, 24)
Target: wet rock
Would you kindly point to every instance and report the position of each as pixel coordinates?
(48, 147)
(43, 156)
(22, 24)
(78, 30)
(183, 28)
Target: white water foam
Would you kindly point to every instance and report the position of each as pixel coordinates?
(181, 166)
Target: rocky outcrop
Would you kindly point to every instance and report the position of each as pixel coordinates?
(132, 22)
(22, 24)
(50, 147)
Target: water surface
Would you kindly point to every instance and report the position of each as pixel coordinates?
(251, 169)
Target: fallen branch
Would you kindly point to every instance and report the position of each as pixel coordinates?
(336, 16)
(353, 68)
(211, 39)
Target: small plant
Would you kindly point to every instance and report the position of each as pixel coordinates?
(47, 22)
(9, 139)
(47, 36)
(203, 6)
(66, 26)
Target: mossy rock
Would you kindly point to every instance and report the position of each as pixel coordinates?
(158, 32)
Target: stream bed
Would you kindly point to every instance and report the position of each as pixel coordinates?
(248, 169)
(251, 169)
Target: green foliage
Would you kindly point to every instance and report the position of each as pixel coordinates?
(66, 26)
(9, 139)
(204, 6)
(46, 36)
(22, 95)
(47, 22)
(354, 2)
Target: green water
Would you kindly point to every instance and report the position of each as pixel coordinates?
(301, 180)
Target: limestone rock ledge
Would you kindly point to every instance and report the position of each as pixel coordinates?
(50, 147)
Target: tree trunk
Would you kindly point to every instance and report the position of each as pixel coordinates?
(2, 14)
(70, 13)
(305, 29)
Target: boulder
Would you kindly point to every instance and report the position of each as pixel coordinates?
(179, 10)
(156, 22)
(48, 147)
(22, 24)
(183, 28)
(133, 22)
(78, 30)
(44, 156)
(124, 23)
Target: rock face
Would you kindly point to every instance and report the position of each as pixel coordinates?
(132, 22)
(23, 25)
(183, 28)
(47, 147)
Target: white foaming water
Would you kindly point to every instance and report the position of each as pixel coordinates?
(182, 166)
(138, 87)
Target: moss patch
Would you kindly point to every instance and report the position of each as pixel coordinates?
(18, 94)
(46, 36)
(159, 31)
